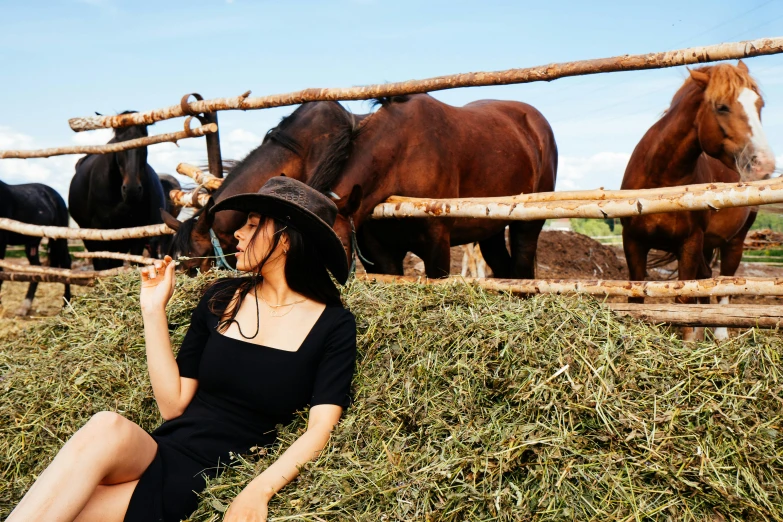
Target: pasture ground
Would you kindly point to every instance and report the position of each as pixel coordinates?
(469, 405)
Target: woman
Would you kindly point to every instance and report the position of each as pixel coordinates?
(258, 349)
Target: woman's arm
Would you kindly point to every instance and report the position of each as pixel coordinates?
(172, 392)
(251, 504)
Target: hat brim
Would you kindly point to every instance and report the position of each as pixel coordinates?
(314, 228)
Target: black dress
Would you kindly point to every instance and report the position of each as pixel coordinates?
(244, 391)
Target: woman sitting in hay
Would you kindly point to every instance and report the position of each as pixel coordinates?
(258, 349)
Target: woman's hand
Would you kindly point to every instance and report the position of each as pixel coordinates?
(249, 506)
(157, 285)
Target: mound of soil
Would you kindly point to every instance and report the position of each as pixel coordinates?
(561, 255)
(568, 255)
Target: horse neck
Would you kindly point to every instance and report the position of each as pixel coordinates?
(673, 146)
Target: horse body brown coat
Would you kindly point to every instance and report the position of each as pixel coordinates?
(700, 139)
(425, 148)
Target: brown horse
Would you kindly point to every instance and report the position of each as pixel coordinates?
(420, 147)
(710, 133)
(301, 141)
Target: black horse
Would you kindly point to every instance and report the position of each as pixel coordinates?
(36, 204)
(117, 190)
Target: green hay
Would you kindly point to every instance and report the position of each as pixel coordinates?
(463, 410)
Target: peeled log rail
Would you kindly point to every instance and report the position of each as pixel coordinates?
(208, 181)
(509, 209)
(63, 272)
(44, 278)
(96, 234)
(732, 316)
(721, 286)
(116, 255)
(195, 199)
(111, 147)
(710, 53)
(602, 195)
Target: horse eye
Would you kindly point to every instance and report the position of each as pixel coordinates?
(722, 108)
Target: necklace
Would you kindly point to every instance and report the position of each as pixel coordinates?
(273, 308)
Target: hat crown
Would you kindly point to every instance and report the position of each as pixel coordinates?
(301, 195)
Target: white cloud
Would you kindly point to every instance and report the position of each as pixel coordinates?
(96, 137)
(604, 169)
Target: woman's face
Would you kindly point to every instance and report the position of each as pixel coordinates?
(255, 239)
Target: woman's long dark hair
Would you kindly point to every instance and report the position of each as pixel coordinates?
(305, 274)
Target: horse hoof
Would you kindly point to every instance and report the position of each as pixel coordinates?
(23, 310)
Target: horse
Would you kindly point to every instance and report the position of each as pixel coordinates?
(116, 190)
(417, 146)
(294, 147)
(36, 204)
(710, 133)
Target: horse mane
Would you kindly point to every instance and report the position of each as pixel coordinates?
(726, 82)
(336, 156)
(385, 101)
(120, 133)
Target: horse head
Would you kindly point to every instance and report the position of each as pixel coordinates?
(191, 239)
(132, 164)
(729, 120)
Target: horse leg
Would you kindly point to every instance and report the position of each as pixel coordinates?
(60, 257)
(636, 258)
(691, 265)
(523, 236)
(436, 253)
(31, 251)
(384, 259)
(496, 254)
(730, 259)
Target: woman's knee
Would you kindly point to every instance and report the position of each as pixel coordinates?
(103, 428)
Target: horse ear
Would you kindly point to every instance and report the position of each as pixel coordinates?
(741, 65)
(170, 220)
(98, 113)
(205, 217)
(701, 78)
(354, 201)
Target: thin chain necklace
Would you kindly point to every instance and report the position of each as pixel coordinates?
(273, 308)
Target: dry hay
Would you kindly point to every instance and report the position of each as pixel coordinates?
(469, 405)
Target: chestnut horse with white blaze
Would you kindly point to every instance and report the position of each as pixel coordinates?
(417, 146)
(710, 133)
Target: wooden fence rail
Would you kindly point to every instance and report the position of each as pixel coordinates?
(511, 209)
(721, 286)
(172, 137)
(63, 272)
(693, 55)
(97, 234)
(20, 277)
(115, 255)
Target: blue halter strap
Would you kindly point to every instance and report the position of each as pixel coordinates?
(219, 255)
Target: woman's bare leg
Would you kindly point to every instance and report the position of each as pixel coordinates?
(109, 449)
(108, 503)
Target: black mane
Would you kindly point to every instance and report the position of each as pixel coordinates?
(130, 132)
(336, 156)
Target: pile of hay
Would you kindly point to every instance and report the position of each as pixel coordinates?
(468, 406)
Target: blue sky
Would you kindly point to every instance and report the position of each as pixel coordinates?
(74, 57)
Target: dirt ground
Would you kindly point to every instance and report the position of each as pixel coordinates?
(561, 255)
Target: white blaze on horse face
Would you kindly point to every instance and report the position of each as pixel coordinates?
(764, 160)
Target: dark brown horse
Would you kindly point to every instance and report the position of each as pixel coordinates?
(301, 141)
(116, 190)
(710, 133)
(418, 146)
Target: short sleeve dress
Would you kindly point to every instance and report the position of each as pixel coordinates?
(244, 391)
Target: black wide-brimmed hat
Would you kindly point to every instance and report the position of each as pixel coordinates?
(302, 208)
